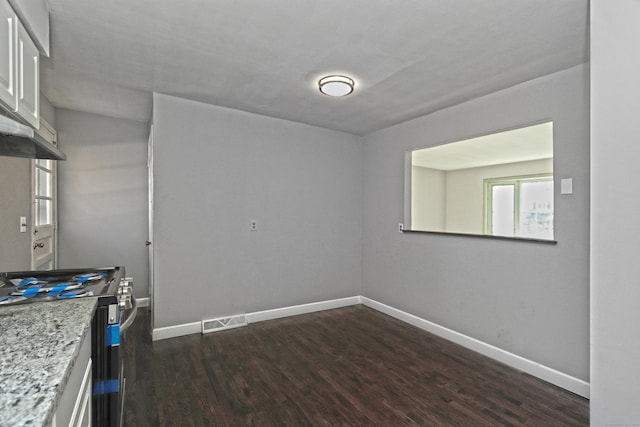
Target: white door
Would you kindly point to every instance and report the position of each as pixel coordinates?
(44, 218)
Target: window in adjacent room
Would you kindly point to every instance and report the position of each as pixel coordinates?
(520, 206)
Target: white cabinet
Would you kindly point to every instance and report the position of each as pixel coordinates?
(34, 14)
(8, 56)
(19, 68)
(81, 415)
(28, 78)
(74, 407)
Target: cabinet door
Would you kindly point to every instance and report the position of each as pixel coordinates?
(74, 406)
(8, 64)
(81, 416)
(28, 78)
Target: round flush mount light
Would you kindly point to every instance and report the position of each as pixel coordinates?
(336, 85)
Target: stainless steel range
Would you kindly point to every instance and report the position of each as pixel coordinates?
(116, 309)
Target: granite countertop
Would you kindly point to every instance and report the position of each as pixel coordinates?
(39, 344)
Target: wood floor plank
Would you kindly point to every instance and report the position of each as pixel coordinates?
(351, 366)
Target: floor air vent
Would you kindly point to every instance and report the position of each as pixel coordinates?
(223, 323)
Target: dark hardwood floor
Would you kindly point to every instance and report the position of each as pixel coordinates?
(346, 367)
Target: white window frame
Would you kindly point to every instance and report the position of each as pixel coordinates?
(517, 182)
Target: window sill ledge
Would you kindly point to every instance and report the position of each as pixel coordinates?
(484, 236)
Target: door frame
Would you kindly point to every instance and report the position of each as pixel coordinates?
(150, 233)
(48, 234)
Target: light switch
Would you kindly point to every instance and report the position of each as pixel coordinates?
(566, 186)
(23, 224)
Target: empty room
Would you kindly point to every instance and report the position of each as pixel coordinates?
(319, 213)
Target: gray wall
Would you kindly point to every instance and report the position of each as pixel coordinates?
(47, 110)
(15, 201)
(530, 299)
(102, 196)
(217, 169)
(615, 229)
(428, 199)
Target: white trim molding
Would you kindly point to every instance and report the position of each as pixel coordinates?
(258, 316)
(143, 302)
(261, 316)
(560, 379)
(176, 331)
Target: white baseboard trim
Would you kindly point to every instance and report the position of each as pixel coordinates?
(143, 302)
(567, 382)
(176, 331)
(277, 313)
(258, 316)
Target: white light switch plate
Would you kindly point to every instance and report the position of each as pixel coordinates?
(23, 224)
(566, 186)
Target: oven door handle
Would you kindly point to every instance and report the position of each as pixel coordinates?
(134, 309)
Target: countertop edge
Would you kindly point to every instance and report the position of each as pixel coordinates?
(67, 374)
(39, 347)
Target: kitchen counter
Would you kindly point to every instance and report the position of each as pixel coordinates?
(39, 344)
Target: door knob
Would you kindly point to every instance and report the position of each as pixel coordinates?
(38, 245)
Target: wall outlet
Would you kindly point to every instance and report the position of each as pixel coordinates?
(254, 225)
(400, 228)
(566, 186)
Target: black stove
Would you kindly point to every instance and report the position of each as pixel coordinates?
(115, 311)
(21, 287)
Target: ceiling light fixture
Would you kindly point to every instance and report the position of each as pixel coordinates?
(336, 85)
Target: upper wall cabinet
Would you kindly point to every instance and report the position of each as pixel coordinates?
(28, 78)
(19, 68)
(8, 55)
(34, 15)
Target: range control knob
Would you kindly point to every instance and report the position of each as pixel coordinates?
(124, 290)
(125, 303)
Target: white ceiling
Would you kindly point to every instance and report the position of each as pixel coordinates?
(408, 58)
(516, 145)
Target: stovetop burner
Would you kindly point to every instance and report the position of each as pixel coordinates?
(36, 286)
